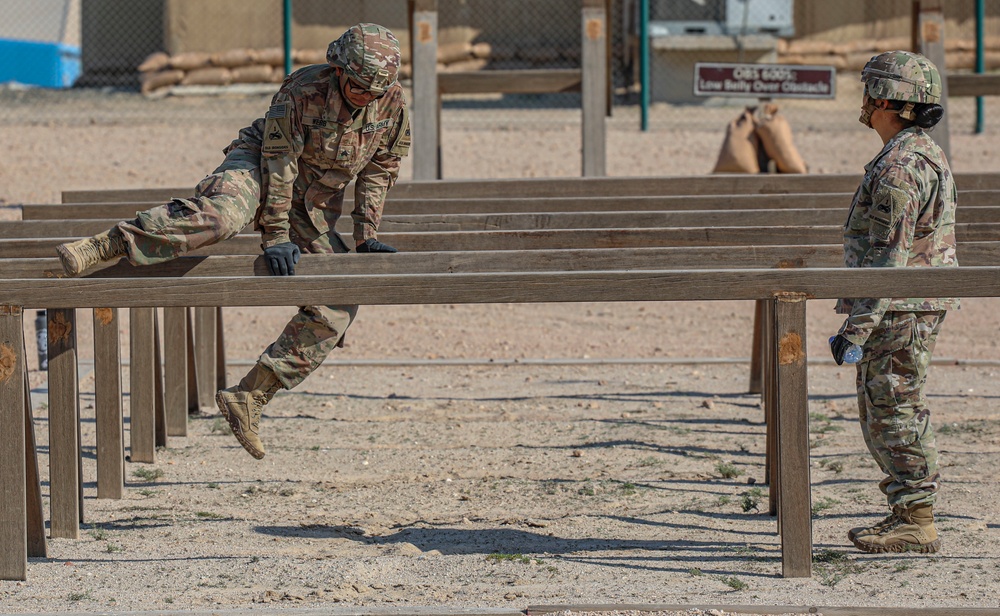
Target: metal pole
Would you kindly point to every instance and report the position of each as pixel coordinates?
(980, 60)
(644, 62)
(288, 35)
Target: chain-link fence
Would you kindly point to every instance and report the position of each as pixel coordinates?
(118, 60)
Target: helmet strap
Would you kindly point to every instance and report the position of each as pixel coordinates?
(907, 112)
(867, 109)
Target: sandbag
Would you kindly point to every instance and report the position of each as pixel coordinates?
(210, 76)
(190, 60)
(309, 56)
(775, 134)
(275, 56)
(449, 53)
(155, 62)
(739, 148)
(160, 79)
(233, 58)
(255, 73)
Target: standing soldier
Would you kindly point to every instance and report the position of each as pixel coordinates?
(903, 215)
(327, 125)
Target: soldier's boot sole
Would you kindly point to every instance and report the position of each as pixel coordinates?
(236, 426)
(71, 265)
(898, 547)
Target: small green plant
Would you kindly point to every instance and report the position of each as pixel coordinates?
(112, 548)
(647, 461)
(517, 558)
(79, 596)
(219, 426)
(314, 448)
(168, 600)
(98, 534)
(724, 499)
(750, 500)
(209, 515)
(833, 465)
(147, 492)
(628, 488)
(728, 470)
(833, 566)
(902, 566)
(735, 583)
(695, 572)
(148, 474)
(212, 486)
(823, 504)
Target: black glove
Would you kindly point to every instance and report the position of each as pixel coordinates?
(373, 245)
(281, 259)
(839, 346)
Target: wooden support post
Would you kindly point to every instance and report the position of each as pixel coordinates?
(175, 362)
(13, 471)
(220, 357)
(205, 353)
(930, 31)
(64, 425)
(756, 349)
(193, 405)
(793, 425)
(426, 98)
(38, 547)
(142, 388)
(108, 405)
(159, 406)
(594, 87)
(770, 386)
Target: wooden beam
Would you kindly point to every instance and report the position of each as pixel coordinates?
(425, 122)
(142, 427)
(594, 26)
(795, 502)
(64, 421)
(506, 287)
(13, 470)
(108, 405)
(38, 547)
(971, 84)
(175, 376)
(514, 81)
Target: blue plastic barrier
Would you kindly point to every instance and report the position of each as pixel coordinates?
(50, 65)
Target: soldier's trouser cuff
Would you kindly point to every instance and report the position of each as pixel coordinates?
(308, 338)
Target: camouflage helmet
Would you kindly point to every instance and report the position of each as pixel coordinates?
(369, 54)
(902, 76)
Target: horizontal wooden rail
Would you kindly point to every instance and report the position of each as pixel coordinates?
(741, 257)
(529, 81)
(502, 287)
(970, 84)
(420, 223)
(716, 184)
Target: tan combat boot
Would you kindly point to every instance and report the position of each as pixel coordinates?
(243, 404)
(82, 254)
(872, 530)
(912, 531)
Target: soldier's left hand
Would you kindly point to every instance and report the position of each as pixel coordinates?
(839, 346)
(373, 245)
(281, 258)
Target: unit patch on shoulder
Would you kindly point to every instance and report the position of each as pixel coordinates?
(278, 110)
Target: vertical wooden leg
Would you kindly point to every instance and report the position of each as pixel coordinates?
(158, 399)
(206, 338)
(64, 421)
(193, 390)
(142, 388)
(756, 369)
(220, 354)
(175, 361)
(793, 425)
(38, 547)
(108, 404)
(13, 473)
(770, 384)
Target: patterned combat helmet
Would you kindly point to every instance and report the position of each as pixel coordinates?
(369, 54)
(902, 76)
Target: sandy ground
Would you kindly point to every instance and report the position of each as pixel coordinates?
(438, 462)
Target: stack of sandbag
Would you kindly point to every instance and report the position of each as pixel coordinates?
(756, 139)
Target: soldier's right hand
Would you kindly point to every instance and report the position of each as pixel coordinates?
(281, 258)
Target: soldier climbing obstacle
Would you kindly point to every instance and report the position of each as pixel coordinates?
(287, 172)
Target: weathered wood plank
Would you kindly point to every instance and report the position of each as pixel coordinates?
(970, 84)
(175, 376)
(506, 287)
(594, 34)
(13, 470)
(159, 402)
(715, 184)
(795, 501)
(108, 404)
(205, 348)
(64, 421)
(527, 81)
(142, 427)
(38, 546)
(425, 120)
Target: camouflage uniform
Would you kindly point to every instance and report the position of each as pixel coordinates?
(903, 215)
(288, 172)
